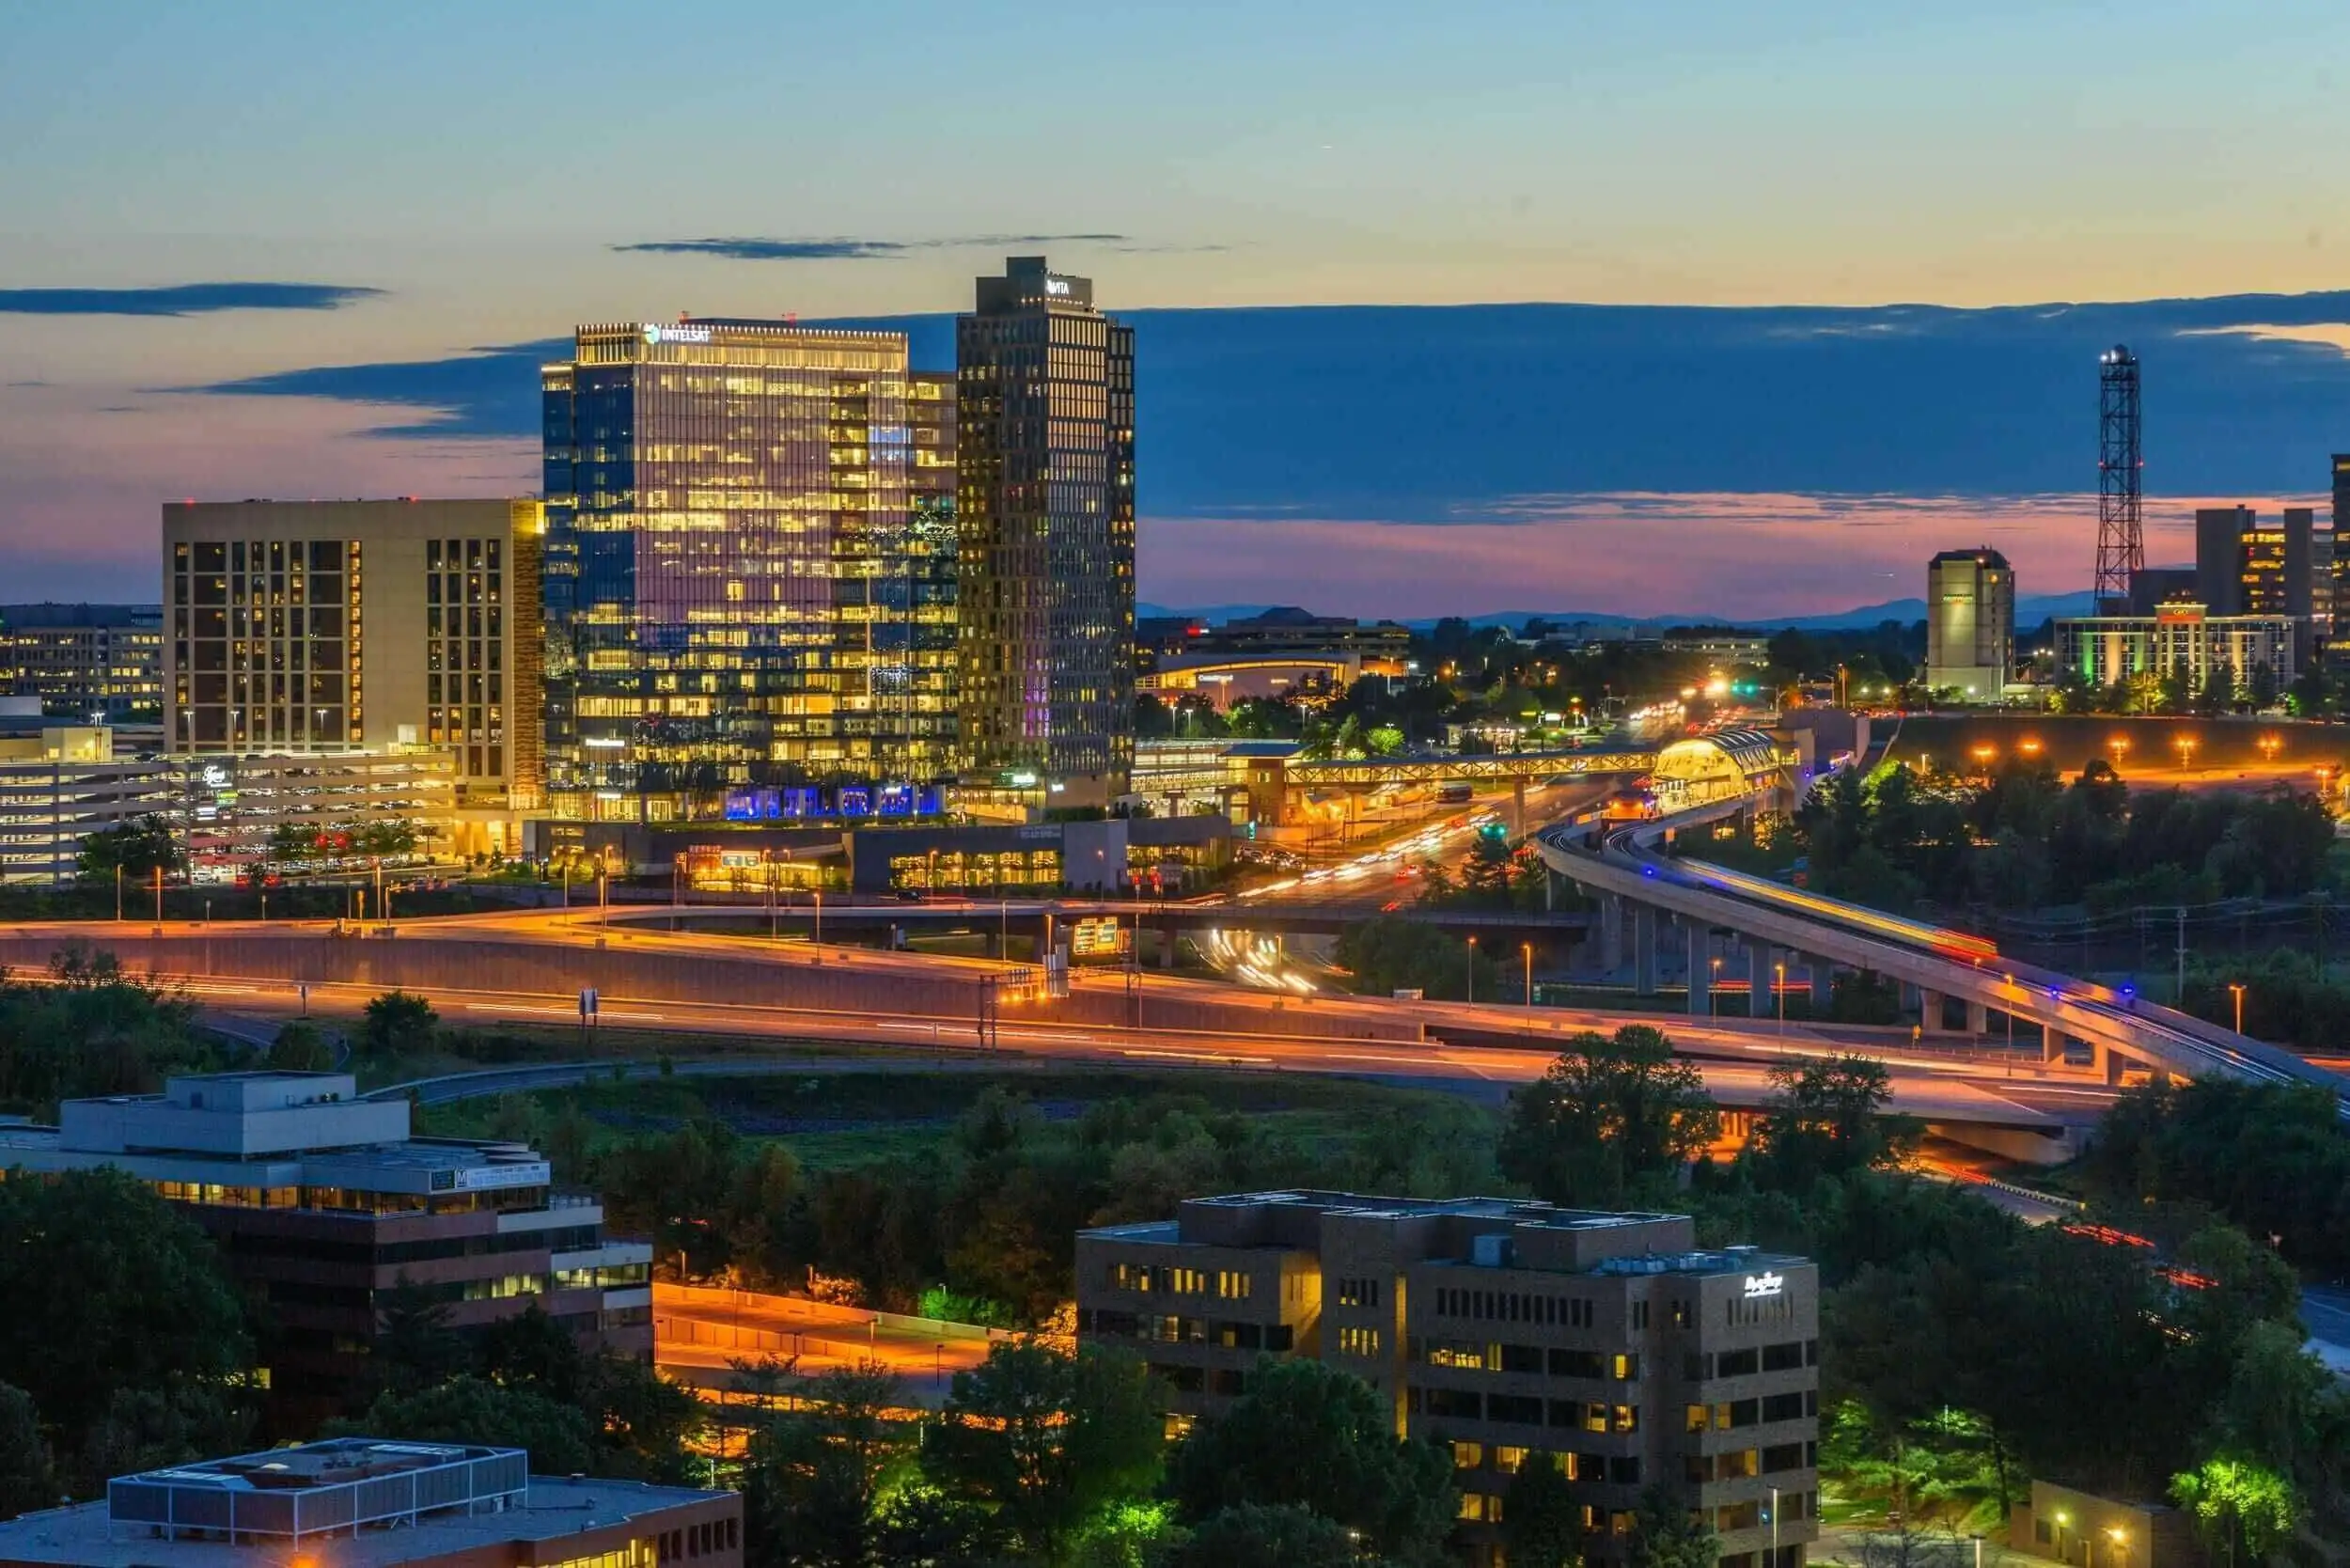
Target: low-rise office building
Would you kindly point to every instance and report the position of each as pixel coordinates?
(321, 1203)
(85, 660)
(1500, 1328)
(370, 1502)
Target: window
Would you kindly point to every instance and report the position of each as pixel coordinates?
(1737, 1465)
(1627, 1368)
(1458, 1402)
(1783, 1407)
(1467, 1456)
(1233, 1284)
(1574, 1363)
(1783, 1456)
(1460, 1353)
(1187, 1281)
(1740, 1515)
(1522, 1358)
(1784, 1358)
(1472, 1505)
(1509, 1461)
(1358, 1292)
(1736, 1363)
(1357, 1341)
(1624, 1417)
(1518, 1409)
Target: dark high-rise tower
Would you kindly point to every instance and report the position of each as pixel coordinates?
(1045, 538)
(2121, 534)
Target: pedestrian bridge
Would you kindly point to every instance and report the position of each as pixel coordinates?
(1698, 770)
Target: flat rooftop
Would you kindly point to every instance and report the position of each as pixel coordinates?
(1518, 1211)
(93, 1535)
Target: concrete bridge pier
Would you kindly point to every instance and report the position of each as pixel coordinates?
(1933, 1010)
(1611, 931)
(1977, 1018)
(1763, 962)
(1700, 971)
(1643, 949)
(1823, 983)
(1517, 806)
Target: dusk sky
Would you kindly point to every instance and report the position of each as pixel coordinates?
(286, 250)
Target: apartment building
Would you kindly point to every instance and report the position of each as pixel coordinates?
(322, 1204)
(1500, 1328)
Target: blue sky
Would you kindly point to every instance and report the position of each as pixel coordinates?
(416, 183)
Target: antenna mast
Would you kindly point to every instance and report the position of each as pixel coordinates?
(2120, 533)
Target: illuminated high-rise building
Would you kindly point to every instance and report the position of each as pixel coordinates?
(313, 627)
(1045, 454)
(744, 601)
(1970, 623)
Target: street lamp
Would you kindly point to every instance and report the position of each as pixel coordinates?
(2186, 750)
(2270, 745)
(2120, 747)
(1712, 994)
(1778, 990)
(2238, 990)
(1528, 948)
(1469, 995)
(2121, 1539)
(1984, 754)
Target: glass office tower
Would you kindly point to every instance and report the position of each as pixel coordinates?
(732, 616)
(1045, 454)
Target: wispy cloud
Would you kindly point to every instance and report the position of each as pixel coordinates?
(182, 299)
(837, 249)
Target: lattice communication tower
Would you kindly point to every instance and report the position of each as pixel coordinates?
(2120, 463)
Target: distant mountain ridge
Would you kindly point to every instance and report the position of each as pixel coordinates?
(2030, 611)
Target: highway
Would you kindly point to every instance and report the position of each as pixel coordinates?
(1733, 1056)
(1630, 865)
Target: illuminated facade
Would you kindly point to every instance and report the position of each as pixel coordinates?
(300, 627)
(1970, 623)
(747, 582)
(1046, 447)
(2110, 648)
(1500, 1329)
(85, 659)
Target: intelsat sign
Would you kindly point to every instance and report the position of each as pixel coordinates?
(657, 335)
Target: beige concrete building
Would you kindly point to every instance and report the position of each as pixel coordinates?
(1500, 1328)
(312, 627)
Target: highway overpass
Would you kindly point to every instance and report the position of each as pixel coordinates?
(1650, 897)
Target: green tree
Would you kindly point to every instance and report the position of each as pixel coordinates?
(532, 1352)
(110, 1289)
(640, 1425)
(1307, 1433)
(2218, 693)
(2242, 1512)
(815, 1478)
(1043, 1440)
(415, 1346)
(137, 848)
(148, 1429)
(1389, 954)
(2178, 688)
(397, 1023)
(1828, 1119)
(300, 1047)
(28, 1471)
(1614, 1115)
(1259, 1535)
(1665, 1535)
(469, 1409)
(1541, 1522)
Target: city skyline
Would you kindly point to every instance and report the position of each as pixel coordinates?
(1684, 182)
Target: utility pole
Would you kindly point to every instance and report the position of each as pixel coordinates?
(2178, 998)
